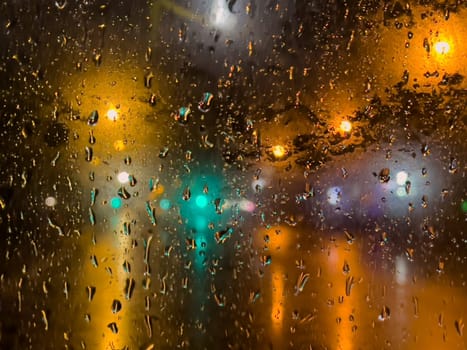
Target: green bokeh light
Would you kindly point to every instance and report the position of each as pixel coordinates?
(116, 203)
(165, 204)
(201, 201)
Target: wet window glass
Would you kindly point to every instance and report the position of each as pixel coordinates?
(233, 174)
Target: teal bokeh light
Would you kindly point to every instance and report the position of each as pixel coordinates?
(200, 223)
(116, 203)
(165, 204)
(201, 201)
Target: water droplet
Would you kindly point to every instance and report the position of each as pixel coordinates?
(301, 282)
(453, 165)
(251, 48)
(129, 287)
(97, 58)
(424, 201)
(93, 196)
(349, 237)
(54, 161)
(163, 152)
(409, 252)
(426, 45)
(220, 299)
(147, 303)
(148, 79)
(186, 193)
(206, 101)
(223, 235)
(349, 282)
(126, 228)
(56, 227)
(384, 175)
(93, 118)
(345, 173)
(89, 153)
(60, 4)
(148, 323)
(346, 267)
(44, 319)
(123, 193)
(415, 306)
(147, 247)
(92, 139)
(385, 314)
(148, 54)
(116, 306)
(92, 217)
(265, 260)
(113, 327)
(91, 290)
(182, 115)
(126, 266)
(408, 186)
(459, 324)
(94, 261)
(151, 213)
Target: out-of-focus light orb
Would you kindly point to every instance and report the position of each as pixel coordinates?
(246, 205)
(201, 201)
(402, 270)
(119, 145)
(50, 201)
(345, 126)
(165, 204)
(442, 47)
(401, 192)
(200, 223)
(278, 151)
(334, 195)
(258, 185)
(123, 177)
(112, 114)
(464, 206)
(116, 203)
(401, 178)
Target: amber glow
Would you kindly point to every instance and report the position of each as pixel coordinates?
(156, 192)
(119, 145)
(278, 151)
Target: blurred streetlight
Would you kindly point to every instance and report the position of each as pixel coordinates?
(345, 126)
(112, 114)
(278, 151)
(442, 47)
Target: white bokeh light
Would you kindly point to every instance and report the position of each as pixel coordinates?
(401, 178)
(123, 177)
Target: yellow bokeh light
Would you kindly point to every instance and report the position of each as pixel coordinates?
(112, 114)
(278, 151)
(442, 47)
(345, 126)
(119, 145)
